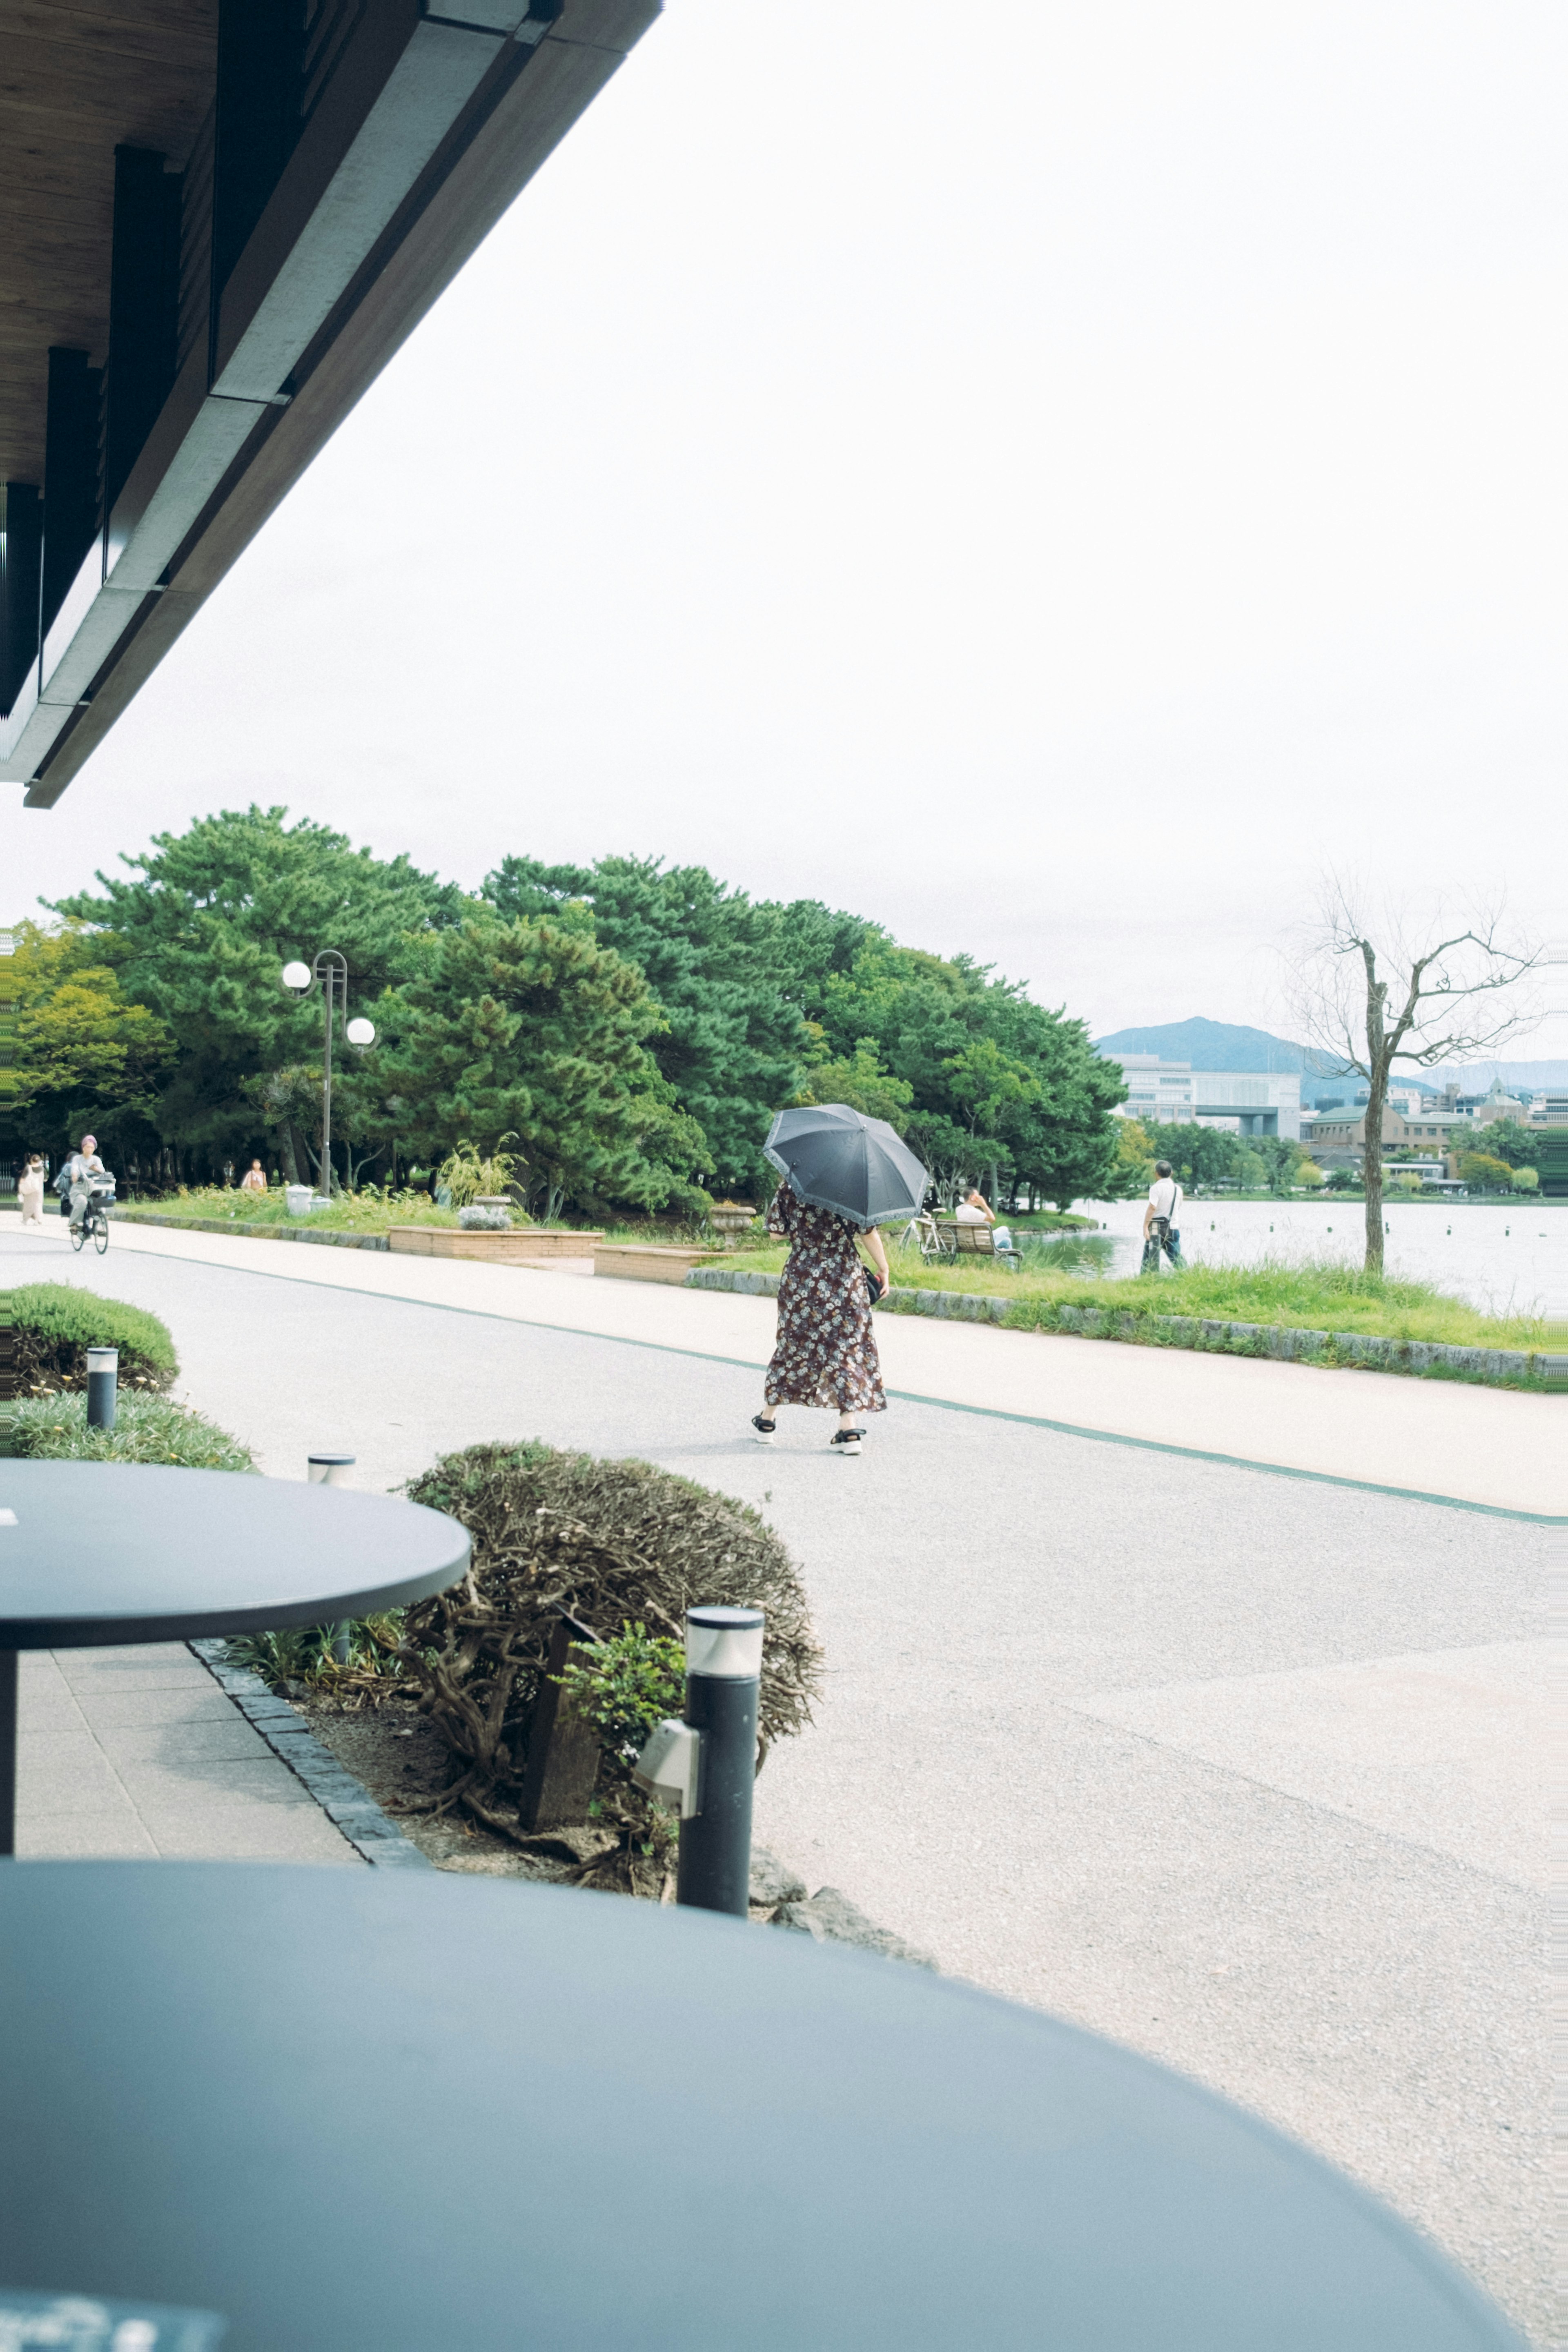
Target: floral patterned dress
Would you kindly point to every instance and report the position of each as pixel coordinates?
(827, 1353)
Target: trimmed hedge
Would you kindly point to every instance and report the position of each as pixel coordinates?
(609, 1543)
(46, 1328)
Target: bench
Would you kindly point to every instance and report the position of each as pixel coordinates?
(956, 1239)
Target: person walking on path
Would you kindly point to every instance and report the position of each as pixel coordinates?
(1160, 1229)
(827, 1350)
(30, 1194)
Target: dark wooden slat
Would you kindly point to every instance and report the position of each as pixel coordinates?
(132, 31)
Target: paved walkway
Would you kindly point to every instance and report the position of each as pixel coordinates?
(1237, 1767)
(1493, 1447)
(137, 1751)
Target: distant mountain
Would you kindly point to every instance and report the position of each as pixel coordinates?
(1222, 1045)
(1207, 1045)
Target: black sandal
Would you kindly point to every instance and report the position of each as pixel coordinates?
(848, 1440)
(764, 1428)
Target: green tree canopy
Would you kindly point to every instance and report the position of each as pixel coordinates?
(1503, 1138)
(732, 973)
(205, 920)
(535, 1029)
(86, 1057)
(995, 1077)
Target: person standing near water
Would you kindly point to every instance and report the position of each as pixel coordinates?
(827, 1350)
(1160, 1231)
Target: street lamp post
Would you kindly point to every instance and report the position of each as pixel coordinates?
(331, 971)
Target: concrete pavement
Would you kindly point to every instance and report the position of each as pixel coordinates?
(1491, 1447)
(137, 1751)
(1236, 1767)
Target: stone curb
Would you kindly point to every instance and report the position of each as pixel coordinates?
(1280, 1342)
(346, 1801)
(251, 1231)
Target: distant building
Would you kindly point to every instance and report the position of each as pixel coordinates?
(1338, 1138)
(1248, 1102)
(1159, 1093)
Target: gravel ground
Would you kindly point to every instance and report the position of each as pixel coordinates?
(987, 1593)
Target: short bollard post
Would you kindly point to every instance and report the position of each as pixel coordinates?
(102, 1384)
(723, 1671)
(333, 1470)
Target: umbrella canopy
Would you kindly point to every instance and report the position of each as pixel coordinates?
(837, 1157)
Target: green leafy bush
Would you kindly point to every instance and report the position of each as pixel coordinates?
(626, 1685)
(1480, 1168)
(146, 1429)
(53, 1325)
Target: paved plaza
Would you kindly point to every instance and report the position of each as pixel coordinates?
(1238, 1767)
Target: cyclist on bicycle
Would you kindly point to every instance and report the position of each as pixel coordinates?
(78, 1176)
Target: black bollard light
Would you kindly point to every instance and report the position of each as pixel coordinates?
(102, 1386)
(333, 1470)
(723, 1671)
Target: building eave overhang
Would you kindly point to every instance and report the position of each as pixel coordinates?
(432, 125)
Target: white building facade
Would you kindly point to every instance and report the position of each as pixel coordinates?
(1246, 1102)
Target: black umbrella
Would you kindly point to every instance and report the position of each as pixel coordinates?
(837, 1157)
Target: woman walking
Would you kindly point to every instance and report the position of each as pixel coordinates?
(30, 1194)
(826, 1351)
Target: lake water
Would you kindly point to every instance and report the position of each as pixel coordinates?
(1505, 1260)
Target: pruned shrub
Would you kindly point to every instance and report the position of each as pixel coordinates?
(50, 1326)
(608, 1544)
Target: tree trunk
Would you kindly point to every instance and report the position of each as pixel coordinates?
(1379, 1061)
(290, 1157)
(1371, 1168)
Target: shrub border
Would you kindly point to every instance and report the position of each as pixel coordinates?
(1284, 1342)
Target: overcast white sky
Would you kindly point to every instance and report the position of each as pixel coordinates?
(1045, 477)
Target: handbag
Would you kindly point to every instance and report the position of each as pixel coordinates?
(873, 1283)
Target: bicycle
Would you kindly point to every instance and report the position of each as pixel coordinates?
(94, 1225)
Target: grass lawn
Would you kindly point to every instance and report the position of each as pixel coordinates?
(1316, 1297)
(353, 1212)
(146, 1429)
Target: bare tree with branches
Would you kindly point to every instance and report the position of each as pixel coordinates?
(1370, 993)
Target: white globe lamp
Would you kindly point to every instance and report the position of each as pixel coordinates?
(297, 975)
(361, 1033)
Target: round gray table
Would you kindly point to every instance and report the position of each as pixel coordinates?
(99, 1552)
(398, 2110)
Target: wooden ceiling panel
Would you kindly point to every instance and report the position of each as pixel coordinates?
(77, 82)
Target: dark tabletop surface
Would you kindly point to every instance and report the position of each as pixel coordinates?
(354, 2108)
(111, 1552)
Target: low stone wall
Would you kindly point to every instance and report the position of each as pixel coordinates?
(645, 1261)
(297, 1230)
(522, 1246)
(1494, 1366)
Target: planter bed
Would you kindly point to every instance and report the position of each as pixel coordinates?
(524, 1245)
(1495, 1367)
